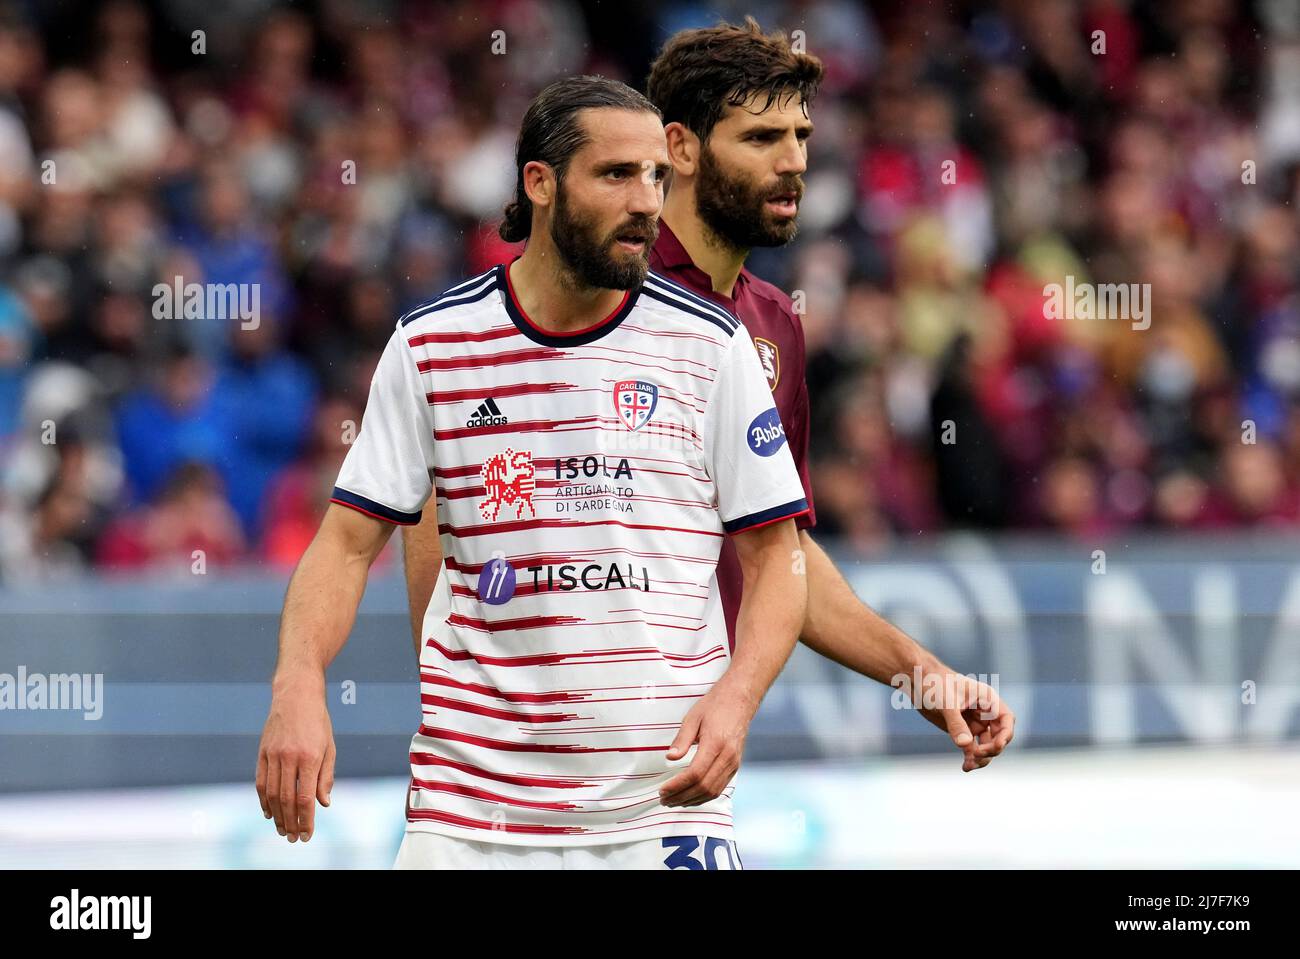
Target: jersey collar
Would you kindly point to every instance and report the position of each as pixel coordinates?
(549, 337)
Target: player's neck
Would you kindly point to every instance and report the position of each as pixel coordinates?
(552, 297)
(721, 261)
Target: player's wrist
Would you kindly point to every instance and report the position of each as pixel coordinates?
(297, 681)
(745, 689)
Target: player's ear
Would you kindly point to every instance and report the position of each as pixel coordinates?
(539, 183)
(683, 148)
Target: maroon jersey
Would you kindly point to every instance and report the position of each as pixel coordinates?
(768, 314)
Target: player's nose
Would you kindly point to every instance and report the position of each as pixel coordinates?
(646, 198)
(792, 158)
(791, 162)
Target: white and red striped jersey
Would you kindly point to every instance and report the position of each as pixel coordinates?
(584, 483)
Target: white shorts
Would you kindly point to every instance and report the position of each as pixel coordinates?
(427, 850)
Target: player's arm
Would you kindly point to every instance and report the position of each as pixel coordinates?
(422, 556)
(772, 609)
(758, 497)
(384, 481)
(842, 628)
(295, 761)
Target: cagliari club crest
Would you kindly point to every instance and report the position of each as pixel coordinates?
(770, 357)
(634, 402)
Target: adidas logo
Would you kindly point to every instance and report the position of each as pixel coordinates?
(487, 414)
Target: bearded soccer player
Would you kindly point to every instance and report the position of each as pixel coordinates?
(591, 434)
(736, 106)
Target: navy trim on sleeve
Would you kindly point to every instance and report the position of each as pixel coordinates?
(773, 515)
(368, 506)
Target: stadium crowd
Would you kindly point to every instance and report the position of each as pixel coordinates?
(351, 160)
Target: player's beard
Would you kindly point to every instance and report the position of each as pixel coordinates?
(735, 207)
(591, 257)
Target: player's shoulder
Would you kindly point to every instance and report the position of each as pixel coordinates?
(461, 300)
(674, 302)
(769, 291)
(778, 300)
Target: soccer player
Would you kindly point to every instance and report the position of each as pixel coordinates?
(591, 434)
(736, 105)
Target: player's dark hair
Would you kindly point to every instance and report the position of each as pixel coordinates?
(698, 73)
(552, 132)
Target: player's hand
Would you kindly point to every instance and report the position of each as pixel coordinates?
(719, 722)
(973, 715)
(295, 760)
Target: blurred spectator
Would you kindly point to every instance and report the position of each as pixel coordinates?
(262, 399)
(190, 523)
(299, 495)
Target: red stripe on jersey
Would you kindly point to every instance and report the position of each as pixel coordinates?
(599, 729)
(523, 622)
(571, 696)
(456, 472)
(510, 389)
(514, 779)
(518, 525)
(473, 792)
(612, 622)
(415, 815)
(526, 355)
(477, 336)
(470, 792)
(522, 779)
(546, 659)
(558, 696)
(503, 746)
(582, 694)
(507, 714)
(517, 426)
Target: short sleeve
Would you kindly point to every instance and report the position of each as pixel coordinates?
(388, 471)
(745, 444)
